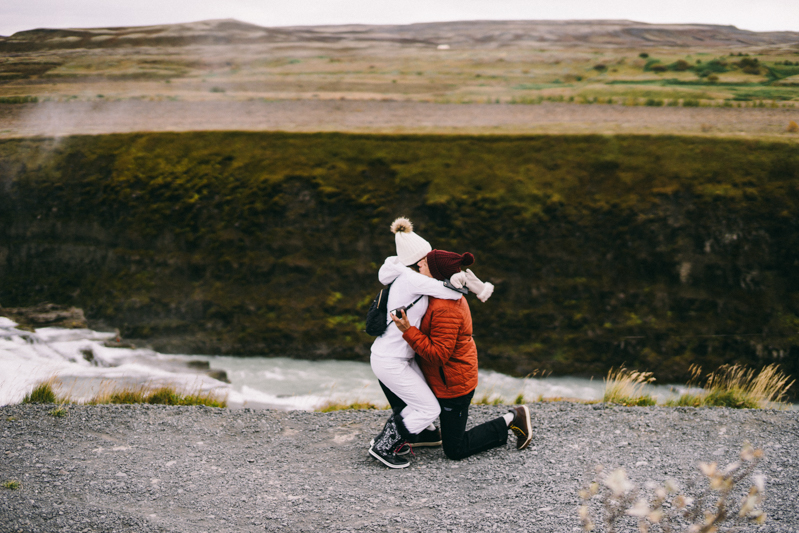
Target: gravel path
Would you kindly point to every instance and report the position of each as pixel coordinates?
(195, 469)
(368, 116)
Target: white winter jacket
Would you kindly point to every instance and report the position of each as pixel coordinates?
(408, 286)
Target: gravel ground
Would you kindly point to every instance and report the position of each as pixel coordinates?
(368, 116)
(195, 469)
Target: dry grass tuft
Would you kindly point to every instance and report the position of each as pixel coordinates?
(158, 396)
(570, 399)
(738, 387)
(615, 499)
(42, 393)
(626, 387)
(487, 399)
(58, 412)
(336, 406)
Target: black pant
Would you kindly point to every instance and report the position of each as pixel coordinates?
(456, 441)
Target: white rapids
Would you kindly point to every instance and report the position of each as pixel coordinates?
(83, 364)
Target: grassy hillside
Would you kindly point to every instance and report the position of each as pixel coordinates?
(656, 252)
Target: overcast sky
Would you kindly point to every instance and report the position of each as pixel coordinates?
(757, 15)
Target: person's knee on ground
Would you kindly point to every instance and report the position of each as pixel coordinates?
(454, 450)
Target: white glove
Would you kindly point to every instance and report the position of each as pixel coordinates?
(458, 279)
(483, 291)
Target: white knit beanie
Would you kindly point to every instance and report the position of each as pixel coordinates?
(411, 248)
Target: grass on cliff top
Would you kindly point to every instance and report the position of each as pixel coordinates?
(737, 387)
(626, 387)
(331, 406)
(42, 393)
(731, 386)
(158, 396)
(45, 393)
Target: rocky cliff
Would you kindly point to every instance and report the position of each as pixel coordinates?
(657, 252)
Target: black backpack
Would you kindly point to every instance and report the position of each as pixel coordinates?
(376, 316)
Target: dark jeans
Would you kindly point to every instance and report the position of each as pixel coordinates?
(456, 441)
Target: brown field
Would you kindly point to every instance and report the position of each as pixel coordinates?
(471, 77)
(68, 118)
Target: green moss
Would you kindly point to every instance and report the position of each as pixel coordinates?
(12, 484)
(58, 412)
(654, 251)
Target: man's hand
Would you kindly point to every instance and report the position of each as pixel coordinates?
(402, 321)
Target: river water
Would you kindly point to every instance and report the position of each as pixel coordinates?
(84, 362)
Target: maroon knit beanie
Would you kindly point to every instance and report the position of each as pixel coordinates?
(443, 264)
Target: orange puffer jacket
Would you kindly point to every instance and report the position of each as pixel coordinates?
(447, 352)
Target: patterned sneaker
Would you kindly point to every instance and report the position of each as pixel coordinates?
(428, 437)
(390, 459)
(385, 445)
(521, 426)
(404, 449)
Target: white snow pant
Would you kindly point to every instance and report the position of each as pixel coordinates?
(405, 379)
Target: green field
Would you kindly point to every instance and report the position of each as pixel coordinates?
(657, 252)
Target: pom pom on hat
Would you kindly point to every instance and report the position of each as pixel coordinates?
(401, 225)
(443, 264)
(411, 248)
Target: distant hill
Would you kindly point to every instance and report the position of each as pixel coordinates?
(467, 34)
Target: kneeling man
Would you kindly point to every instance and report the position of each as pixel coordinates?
(448, 358)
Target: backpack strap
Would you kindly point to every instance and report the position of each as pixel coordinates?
(407, 308)
(414, 302)
(380, 296)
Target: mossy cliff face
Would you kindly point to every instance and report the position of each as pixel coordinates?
(655, 252)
